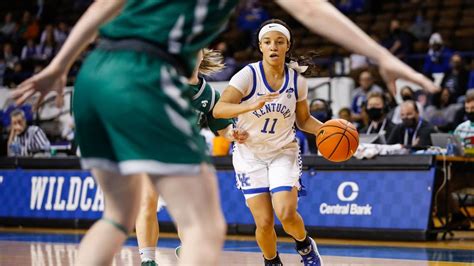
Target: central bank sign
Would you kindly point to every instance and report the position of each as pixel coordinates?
(347, 193)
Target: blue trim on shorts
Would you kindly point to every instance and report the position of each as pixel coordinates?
(254, 85)
(282, 188)
(256, 190)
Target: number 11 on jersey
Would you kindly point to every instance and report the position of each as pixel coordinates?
(272, 128)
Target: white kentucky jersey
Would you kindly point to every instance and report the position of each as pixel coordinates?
(271, 127)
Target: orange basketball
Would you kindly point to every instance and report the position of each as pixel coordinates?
(337, 140)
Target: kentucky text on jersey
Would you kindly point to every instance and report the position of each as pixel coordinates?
(273, 107)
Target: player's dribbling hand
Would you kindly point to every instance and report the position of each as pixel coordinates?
(240, 135)
(50, 79)
(263, 99)
(391, 69)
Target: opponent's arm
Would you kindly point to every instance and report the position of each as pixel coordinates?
(53, 77)
(323, 18)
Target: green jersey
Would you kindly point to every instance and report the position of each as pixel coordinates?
(204, 99)
(180, 27)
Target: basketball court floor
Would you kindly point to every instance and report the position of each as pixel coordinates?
(40, 247)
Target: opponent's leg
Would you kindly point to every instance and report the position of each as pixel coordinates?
(122, 200)
(146, 225)
(193, 201)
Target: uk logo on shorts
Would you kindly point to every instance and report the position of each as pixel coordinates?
(244, 180)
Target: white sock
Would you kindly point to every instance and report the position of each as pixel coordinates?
(147, 254)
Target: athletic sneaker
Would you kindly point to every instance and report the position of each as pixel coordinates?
(310, 255)
(149, 263)
(176, 251)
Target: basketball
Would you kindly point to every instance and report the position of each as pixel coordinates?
(337, 140)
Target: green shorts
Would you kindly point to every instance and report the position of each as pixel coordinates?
(133, 115)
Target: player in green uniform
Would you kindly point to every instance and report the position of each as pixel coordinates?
(203, 100)
(133, 113)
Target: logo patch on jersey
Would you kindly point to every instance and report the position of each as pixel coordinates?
(260, 94)
(289, 92)
(204, 103)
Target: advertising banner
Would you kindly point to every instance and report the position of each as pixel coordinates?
(345, 199)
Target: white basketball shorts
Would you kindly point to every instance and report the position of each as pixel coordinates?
(267, 173)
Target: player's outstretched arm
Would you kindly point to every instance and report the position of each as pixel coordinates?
(53, 77)
(322, 18)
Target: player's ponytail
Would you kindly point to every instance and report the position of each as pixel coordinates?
(212, 62)
(303, 64)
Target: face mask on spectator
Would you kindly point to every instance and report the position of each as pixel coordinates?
(409, 122)
(407, 97)
(470, 116)
(374, 113)
(320, 115)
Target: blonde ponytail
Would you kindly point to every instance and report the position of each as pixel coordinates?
(212, 62)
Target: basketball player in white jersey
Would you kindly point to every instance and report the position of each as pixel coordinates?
(268, 97)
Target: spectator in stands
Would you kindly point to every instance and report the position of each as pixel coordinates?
(47, 49)
(421, 28)
(359, 96)
(459, 177)
(10, 58)
(3, 140)
(422, 98)
(250, 17)
(470, 83)
(350, 6)
(456, 78)
(15, 76)
(441, 113)
(413, 131)
(377, 110)
(61, 33)
(465, 130)
(321, 110)
(33, 30)
(407, 94)
(47, 33)
(8, 27)
(25, 22)
(437, 58)
(399, 42)
(25, 140)
(3, 67)
(29, 50)
(345, 113)
(229, 62)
